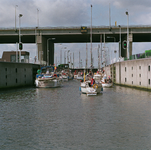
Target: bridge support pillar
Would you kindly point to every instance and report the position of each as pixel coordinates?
(43, 51)
(51, 52)
(41, 46)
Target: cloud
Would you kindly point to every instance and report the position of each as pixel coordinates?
(144, 19)
(63, 13)
(71, 13)
(134, 4)
(51, 12)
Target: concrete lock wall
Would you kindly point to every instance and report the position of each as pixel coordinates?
(133, 73)
(17, 74)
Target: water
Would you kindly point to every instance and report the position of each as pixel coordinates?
(64, 119)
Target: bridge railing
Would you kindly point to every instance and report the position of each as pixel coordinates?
(75, 27)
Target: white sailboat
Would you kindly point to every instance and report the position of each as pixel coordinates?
(47, 78)
(86, 87)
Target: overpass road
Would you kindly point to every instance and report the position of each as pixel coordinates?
(40, 36)
(74, 35)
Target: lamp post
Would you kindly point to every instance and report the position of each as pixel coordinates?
(70, 62)
(62, 48)
(120, 43)
(16, 52)
(115, 54)
(37, 17)
(15, 31)
(20, 15)
(64, 57)
(114, 42)
(15, 16)
(68, 57)
(79, 60)
(86, 57)
(73, 60)
(61, 54)
(48, 50)
(127, 34)
(91, 38)
(98, 57)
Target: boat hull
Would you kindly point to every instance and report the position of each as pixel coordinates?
(79, 78)
(64, 79)
(46, 83)
(107, 85)
(87, 89)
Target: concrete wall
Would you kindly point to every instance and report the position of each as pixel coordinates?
(134, 73)
(17, 74)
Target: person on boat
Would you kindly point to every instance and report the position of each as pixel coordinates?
(47, 72)
(92, 81)
(39, 71)
(110, 81)
(105, 77)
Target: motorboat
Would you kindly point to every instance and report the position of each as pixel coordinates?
(64, 77)
(79, 76)
(47, 78)
(75, 76)
(70, 75)
(106, 83)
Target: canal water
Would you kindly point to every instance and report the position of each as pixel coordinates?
(63, 119)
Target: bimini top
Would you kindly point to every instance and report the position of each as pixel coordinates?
(47, 69)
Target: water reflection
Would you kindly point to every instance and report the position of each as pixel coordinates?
(62, 118)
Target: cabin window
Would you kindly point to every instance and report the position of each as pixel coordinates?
(25, 69)
(125, 79)
(148, 68)
(139, 67)
(139, 75)
(6, 83)
(16, 80)
(16, 70)
(132, 75)
(149, 81)
(132, 68)
(6, 76)
(125, 69)
(5, 69)
(139, 83)
(132, 82)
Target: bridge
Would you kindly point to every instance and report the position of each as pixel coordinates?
(45, 37)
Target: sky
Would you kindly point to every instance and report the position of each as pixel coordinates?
(67, 13)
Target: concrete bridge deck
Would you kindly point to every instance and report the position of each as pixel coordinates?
(73, 34)
(41, 35)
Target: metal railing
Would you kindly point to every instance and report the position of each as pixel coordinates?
(76, 27)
